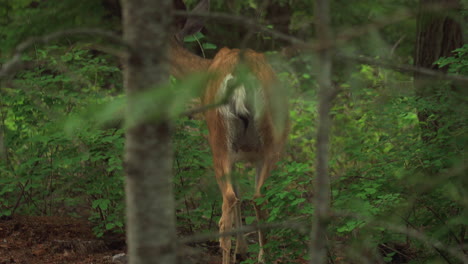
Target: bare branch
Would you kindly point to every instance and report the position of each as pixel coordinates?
(302, 225)
(205, 108)
(296, 224)
(246, 22)
(300, 46)
(223, 101)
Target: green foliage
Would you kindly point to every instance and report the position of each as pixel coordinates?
(378, 140)
(458, 64)
(63, 142)
(287, 197)
(196, 191)
(198, 42)
(23, 19)
(78, 172)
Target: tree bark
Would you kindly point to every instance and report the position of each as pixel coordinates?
(438, 34)
(318, 246)
(148, 154)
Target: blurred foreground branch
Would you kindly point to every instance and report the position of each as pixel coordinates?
(302, 225)
(318, 235)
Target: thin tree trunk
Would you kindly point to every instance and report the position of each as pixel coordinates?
(148, 154)
(318, 246)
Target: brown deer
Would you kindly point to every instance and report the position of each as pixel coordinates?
(252, 126)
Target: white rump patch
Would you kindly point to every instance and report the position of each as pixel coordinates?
(237, 101)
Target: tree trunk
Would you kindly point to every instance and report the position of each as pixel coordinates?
(440, 102)
(318, 245)
(148, 154)
(438, 34)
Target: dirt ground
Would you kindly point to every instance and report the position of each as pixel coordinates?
(60, 240)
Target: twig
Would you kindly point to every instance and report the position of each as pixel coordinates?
(20, 197)
(444, 223)
(395, 46)
(200, 45)
(395, 250)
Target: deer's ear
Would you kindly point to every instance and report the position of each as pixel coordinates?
(193, 25)
(179, 21)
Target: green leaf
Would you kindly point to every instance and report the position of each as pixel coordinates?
(250, 219)
(209, 46)
(195, 37)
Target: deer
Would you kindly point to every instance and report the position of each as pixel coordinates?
(251, 126)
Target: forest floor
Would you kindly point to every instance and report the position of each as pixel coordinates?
(60, 240)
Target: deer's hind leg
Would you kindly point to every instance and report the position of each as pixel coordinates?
(228, 208)
(240, 252)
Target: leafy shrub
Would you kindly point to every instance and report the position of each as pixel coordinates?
(58, 172)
